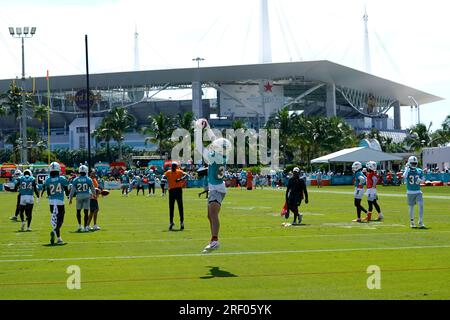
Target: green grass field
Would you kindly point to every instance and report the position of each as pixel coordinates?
(134, 256)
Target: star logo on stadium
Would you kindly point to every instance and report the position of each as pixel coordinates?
(268, 87)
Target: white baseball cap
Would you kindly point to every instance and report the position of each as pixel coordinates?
(296, 169)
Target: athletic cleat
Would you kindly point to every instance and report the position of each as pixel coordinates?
(13, 218)
(60, 241)
(213, 245)
(412, 225)
(421, 225)
(28, 229)
(80, 228)
(52, 237)
(96, 228)
(182, 226)
(171, 226)
(22, 227)
(357, 220)
(87, 229)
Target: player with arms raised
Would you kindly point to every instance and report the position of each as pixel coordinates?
(413, 178)
(216, 158)
(56, 187)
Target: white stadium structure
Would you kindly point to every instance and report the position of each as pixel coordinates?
(223, 93)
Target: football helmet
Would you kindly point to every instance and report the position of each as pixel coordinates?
(17, 173)
(54, 166)
(83, 169)
(412, 162)
(27, 172)
(356, 166)
(371, 165)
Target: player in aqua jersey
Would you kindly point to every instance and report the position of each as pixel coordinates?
(413, 177)
(125, 180)
(26, 185)
(83, 188)
(137, 181)
(56, 187)
(360, 180)
(163, 184)
(216, 158)
(242, 179)
(151, 177)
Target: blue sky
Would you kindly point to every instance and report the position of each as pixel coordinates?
(407, 38)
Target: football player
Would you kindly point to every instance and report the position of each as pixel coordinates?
(372, 197)
(163, 183)
(151, 182)
(56, 187)
(83, 187)
(26, 185)
(216, 158)
(360, 180)
(17, 175)
(125, 183)
(94, 207)
(413, 177)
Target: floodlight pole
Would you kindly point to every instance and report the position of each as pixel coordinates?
(24, 158)
(88, 98)
(23, 131)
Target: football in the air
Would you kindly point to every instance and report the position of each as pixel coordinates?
(201, 123)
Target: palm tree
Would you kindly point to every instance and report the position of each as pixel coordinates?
(184, 120)
(11, 101)
(282, 121)
(40, 112)
(106, 133)
(160, 131)
(419, 137)
(119, 120)
(238, 124)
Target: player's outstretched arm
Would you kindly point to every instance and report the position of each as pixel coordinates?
(202, 124)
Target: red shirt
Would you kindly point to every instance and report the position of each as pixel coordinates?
(372, 180)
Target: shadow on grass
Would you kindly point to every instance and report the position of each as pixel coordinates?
(54, 245)
(215, 272)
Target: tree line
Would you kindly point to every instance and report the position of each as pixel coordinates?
(302, 138)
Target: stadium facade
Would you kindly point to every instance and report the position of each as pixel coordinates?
(248, 92)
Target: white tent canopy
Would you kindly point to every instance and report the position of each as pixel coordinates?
(361, 154)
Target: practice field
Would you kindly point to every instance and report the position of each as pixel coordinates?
(134, 256)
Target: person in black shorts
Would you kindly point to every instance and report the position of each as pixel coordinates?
(295, 193)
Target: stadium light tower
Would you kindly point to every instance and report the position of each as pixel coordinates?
(198, 59)
(27, 33)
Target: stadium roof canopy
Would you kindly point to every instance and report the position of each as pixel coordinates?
(361, 154)
(316, 71)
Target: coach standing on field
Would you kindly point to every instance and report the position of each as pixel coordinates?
(295, 193)
(176, 178)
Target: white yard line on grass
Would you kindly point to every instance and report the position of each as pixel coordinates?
(218, 254)
(337, 235)
(396, 195)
